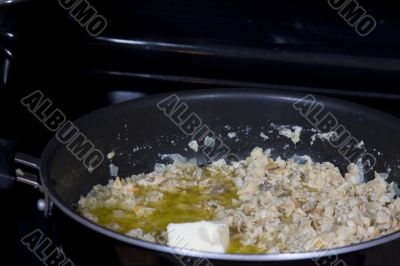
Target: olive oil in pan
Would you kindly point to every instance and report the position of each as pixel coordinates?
(187, 205)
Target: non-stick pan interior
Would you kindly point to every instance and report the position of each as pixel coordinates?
(138, 132)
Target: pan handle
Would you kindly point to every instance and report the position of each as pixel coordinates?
(7, 168)
(45, 204)
(9, 174)
(27, 160)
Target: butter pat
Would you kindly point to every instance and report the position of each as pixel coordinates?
(201, 236)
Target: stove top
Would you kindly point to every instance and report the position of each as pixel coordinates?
(156, 46)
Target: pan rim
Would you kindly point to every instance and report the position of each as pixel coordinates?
(205, 93)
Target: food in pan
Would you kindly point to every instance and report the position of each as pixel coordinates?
(257, 205)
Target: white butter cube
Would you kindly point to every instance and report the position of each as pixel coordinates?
(201, 236)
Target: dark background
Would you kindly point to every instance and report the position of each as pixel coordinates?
(159, 46)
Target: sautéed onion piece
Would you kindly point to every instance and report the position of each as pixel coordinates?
(271, 205)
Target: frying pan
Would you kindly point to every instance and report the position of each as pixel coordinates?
(138, 131)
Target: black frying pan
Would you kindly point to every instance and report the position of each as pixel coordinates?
(138, 132)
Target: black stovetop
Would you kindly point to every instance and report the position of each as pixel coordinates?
(160, 46)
